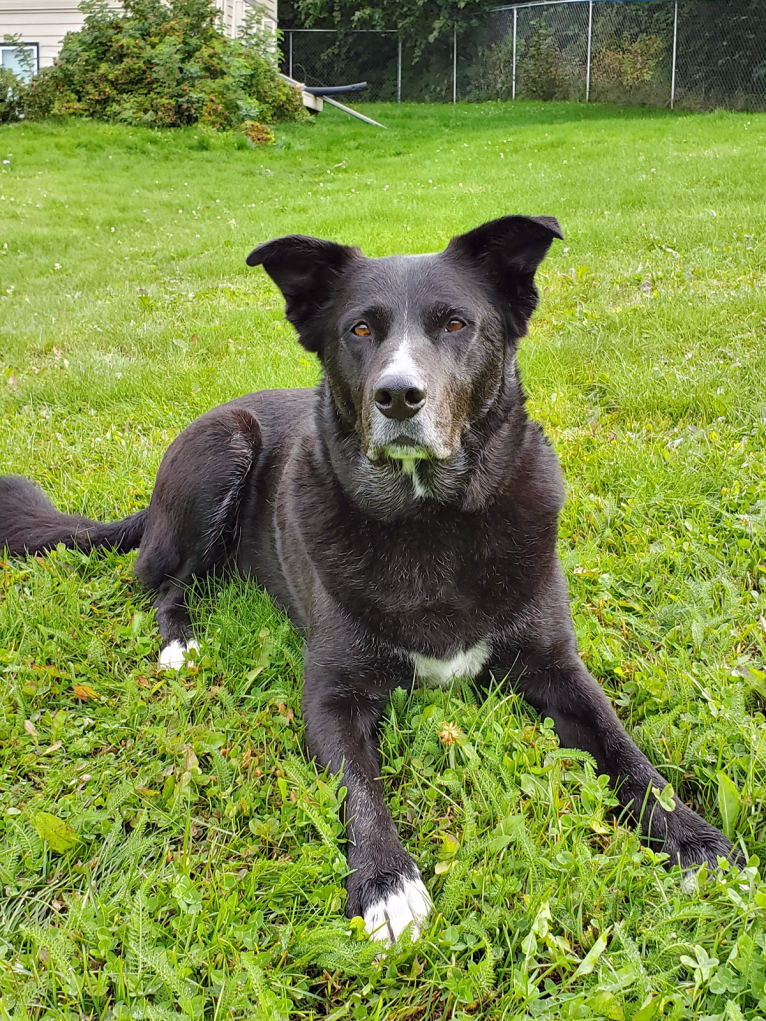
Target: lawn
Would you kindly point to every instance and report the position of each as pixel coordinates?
(195, 869)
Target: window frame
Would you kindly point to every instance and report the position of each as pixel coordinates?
(23, 45)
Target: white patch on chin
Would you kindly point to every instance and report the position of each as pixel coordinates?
(173, 656)
(387, 918)
(409, 468)
(439, 673)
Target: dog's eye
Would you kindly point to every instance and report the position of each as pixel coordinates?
(454, 325)
(361, 330)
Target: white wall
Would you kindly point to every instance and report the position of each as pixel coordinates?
(46, 22)
(234, 13)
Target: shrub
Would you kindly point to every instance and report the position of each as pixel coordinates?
(259, 134)
(494, 72)
(541, 67)
(12, 92)
(631, 63)
(161, 63)
(631, 72)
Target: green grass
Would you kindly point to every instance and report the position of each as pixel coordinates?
(205, 876)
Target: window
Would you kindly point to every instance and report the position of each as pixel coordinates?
(22, 60)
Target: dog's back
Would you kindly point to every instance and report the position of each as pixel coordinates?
(31, 524)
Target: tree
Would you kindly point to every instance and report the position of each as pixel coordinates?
(417, 21)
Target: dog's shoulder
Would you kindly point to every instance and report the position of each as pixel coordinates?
(537, 486)
(278, 406)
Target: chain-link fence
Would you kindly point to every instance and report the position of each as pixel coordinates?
(694, 53)
(395, 69)
(317, 56)
(697, 54)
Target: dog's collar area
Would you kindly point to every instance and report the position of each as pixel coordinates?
(392, 474)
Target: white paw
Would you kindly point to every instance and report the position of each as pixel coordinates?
(173, 656)
(690, 882)
(387, 918)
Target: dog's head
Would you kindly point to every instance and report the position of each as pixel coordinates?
(416, 349)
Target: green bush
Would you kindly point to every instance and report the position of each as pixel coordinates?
(542, 70)
(631, 71)
(630, 63)
(161, 64)
(12, 90)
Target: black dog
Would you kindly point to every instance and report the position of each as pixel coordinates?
(404, 514)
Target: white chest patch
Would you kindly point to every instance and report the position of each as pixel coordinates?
(439, 673)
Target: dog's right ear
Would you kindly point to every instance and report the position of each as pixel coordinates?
(305, 269)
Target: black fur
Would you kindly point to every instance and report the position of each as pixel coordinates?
(384, 538)
(29, 523)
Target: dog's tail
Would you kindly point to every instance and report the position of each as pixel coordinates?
(29, 523)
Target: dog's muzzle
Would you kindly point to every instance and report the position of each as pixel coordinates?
(402, 422)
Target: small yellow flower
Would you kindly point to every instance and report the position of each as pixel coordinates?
(450, 733)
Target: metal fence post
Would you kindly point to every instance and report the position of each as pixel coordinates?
(590, 37)
(454, 65)
(513, 82)
(673, 73)
(399, 73)
(290, 57)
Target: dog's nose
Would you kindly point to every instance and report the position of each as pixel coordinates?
(399, 397)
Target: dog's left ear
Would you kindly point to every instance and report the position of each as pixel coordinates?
(305, 269)
(507, 252)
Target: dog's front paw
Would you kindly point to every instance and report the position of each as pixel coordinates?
(692, 842)
(406, 904)
(174, 655)
(389, 898)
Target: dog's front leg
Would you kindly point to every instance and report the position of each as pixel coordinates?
(342, 708)
(556, 683)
